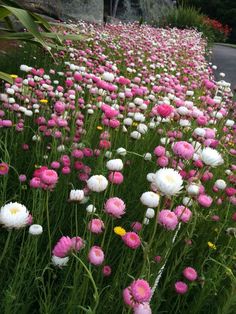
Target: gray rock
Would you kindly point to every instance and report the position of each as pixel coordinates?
(87, 10)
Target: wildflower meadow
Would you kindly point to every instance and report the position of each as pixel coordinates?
(118, 178)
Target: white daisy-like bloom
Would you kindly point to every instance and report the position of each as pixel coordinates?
(184, 122)
(97, 183)
(115, 165)
(187, 201)
(35, 229)
(121, 151)
(142, 128)
(146, 221)
(168, 181)
(91, 209)
(76, 195)
(150, 177)
(199, 132)
(193, 189)
(135, 135)
(211, 157)
(220, 184)
(60, 261)
(229, 123)
(128, 121)
(139, 117)
(147, 156)
(150, 213)
(107, 76)
(150, 199)
(14, 215)
(138, 101)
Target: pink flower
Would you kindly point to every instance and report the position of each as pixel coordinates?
(136, 226)
(183, 149)
(159, 151)
(163, 110)
(204, 200)
(4, 169)
(63, 247)
(77, 243)
(142, 308)
(181, 287)
(115, 207)
(190, 273)
(116, 177)
(141, 290)
(96, 226)
(49, 177)
(183, 213)
(96, 255)
(35, 183)
(168, 219)
(127, 297)
(106, 270)
(132, 240)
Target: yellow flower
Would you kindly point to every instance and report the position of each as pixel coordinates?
(120, 231)
(211, 245)
(14, 76)
(134, 124)
(43, 101)
(99, 127)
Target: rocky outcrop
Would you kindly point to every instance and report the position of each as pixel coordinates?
(93, 10)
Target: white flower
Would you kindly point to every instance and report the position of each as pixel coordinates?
(97, 183)
(229, 122)
(121, 151)
(114, 165)
(146, 221)
(187, 201)
(199, 132)
(147, 156)
(150, 213)
(193, 189)
(109, 77)
(138, 101)
(35, 229)
(184, 122)
(220, 184)
(150, 177)
(60, 261)
(128, 121)
(135, 135)
(150, 199)
(211, 157)
(139, 117)
(108, 154)
(76, 195)
(14, 215)
(142, 128)
(90, 209)
(168, 181)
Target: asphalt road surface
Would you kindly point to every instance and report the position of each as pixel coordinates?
(225, 59)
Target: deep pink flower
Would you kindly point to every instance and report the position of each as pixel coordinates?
(204, 200)
(181, 287)
(4, 169)
(190, 273)
(116, 177)
(183, 149)
(63, 247)
(49, 177)
(140, 290)
(183, 213)
(132, 240)
(106, 270)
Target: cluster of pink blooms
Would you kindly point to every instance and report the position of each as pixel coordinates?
(156, 83)
(190, 274)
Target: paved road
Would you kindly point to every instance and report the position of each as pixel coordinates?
(225, 59)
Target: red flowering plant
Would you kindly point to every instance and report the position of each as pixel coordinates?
(220, 32)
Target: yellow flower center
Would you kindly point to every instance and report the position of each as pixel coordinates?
(14, 211)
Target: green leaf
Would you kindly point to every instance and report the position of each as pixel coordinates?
(6, 77)
(4, 13)
(27, 21)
